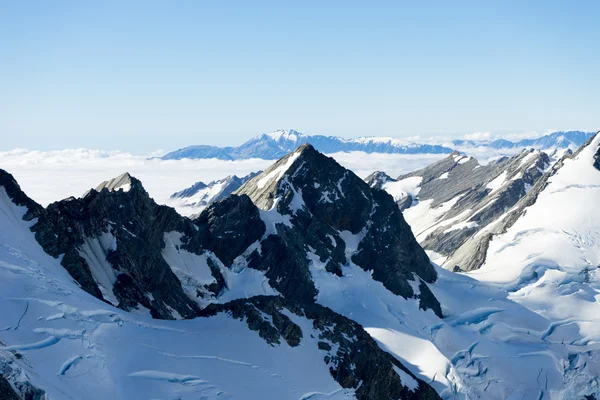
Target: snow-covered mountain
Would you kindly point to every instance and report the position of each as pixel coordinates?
(456, 199)
(307, 282)
(198, 196)
(277, 144)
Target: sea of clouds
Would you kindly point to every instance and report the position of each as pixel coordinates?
(48, 176)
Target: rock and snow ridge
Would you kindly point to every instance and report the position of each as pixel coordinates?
(453, 202)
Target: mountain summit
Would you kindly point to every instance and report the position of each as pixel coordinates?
(316, 198)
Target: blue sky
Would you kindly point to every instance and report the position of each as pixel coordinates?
(145, 75)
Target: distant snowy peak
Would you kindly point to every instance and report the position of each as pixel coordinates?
(289, 135)
(279, 143)
(200, 195)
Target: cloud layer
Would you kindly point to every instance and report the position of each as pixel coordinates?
(53, 175)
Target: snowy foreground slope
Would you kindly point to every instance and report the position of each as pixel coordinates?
(549, 261)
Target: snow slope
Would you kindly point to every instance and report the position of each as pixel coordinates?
(487, 346)
(548, 261)
(74, 346)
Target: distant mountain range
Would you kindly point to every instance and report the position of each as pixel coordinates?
(277, 144)
(569, 139)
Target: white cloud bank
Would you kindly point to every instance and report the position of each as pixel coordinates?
(54, 175)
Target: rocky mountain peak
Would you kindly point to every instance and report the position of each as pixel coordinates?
(315, 204)
(124, 182)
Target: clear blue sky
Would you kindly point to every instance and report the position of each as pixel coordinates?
(146, 75)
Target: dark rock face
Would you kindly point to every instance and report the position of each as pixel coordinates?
(597, 158)
(392, 252)
(14, 192)
(228, 228)
(357, 361)
(6, 391)
(322, 200)
(137, 225)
